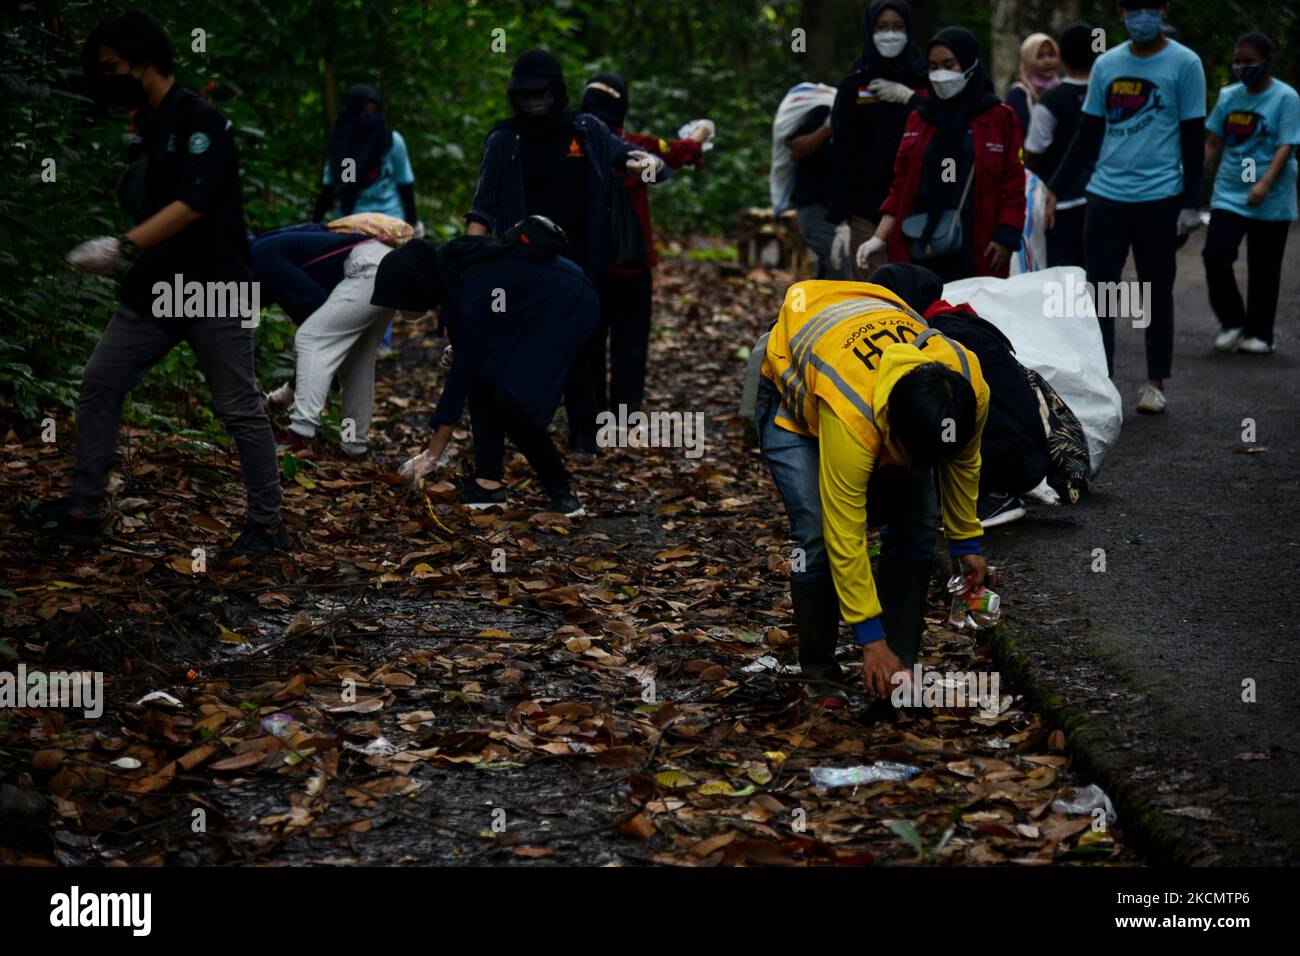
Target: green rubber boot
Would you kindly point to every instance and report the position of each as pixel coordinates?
(903, 586)
(816, 609)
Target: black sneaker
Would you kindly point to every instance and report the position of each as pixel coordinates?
(259, 540)
(567, 504)
(993, 510)
(473, 495)
(65, 521)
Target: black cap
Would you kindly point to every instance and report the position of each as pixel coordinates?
(409, 278)
(534, 70)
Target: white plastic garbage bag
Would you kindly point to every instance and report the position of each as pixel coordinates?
(800, 98)
(1032, 254)
(1050, 320)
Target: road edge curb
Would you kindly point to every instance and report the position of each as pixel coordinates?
(1147, 829)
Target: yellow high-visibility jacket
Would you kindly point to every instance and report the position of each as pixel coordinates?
(835, 353)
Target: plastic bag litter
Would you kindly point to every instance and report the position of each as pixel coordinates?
(1064, 349)
(798, 100)
(379, 747)
(826, 778)
(1085, 800)
(769, 663)
(160, 697)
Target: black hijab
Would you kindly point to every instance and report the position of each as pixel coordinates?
(359, 136)
(609, 108)
(907, 67)
(951, 118)
(916, 285)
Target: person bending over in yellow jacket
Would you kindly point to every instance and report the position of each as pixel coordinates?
(859, 404)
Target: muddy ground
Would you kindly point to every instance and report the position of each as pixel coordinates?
(420, 685)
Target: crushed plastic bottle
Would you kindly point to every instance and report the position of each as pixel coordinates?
(826, 778)
(974, 609)
(1085, 800)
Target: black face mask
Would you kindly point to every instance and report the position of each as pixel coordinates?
(539, 103)
(1252, 74)
(124, 90)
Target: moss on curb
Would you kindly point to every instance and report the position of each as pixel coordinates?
(1147, 830)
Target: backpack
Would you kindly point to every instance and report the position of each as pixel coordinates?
(1014, 449)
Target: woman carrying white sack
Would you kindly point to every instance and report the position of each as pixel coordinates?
(323, 277)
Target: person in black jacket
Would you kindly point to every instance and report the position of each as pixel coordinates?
(871, 107)
(1014, 452)
(1052, 125)
(516, 313)
(551, 160)
(182, 192)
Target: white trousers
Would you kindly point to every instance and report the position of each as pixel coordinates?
(340, 339)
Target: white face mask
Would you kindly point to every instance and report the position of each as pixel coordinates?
(948, 83)
(889, 43)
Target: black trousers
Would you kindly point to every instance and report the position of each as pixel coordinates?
(625, 306)
(130, 346)
(1065, 238)
(1151, 228)
(1265, 245)
(494, 414)
(609, 368)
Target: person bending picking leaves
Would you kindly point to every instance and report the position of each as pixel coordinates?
(859, 403)
(516, 312)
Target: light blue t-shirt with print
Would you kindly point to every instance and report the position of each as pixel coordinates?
(1252, 127)
(1143, 99)
(382, 195)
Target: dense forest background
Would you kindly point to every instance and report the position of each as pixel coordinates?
(278, 70)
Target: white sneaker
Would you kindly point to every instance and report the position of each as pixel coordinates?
(1151, 400)
(1226, 341)
(1255, 346)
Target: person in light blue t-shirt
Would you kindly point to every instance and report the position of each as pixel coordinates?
(1252, 134)
(368, 169)
(1143, 123)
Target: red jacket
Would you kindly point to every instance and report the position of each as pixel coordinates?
(999, 186)
(676, 153)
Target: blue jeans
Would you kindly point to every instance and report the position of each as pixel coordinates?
(903, 500)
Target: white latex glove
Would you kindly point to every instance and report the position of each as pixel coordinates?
(871, 247)
(1189, 220)
(416, 468)
(690, 129)
(889, 91)
(638, 161)
(102, 256)
(840, 245)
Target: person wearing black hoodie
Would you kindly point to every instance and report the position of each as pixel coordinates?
(626, 288)
(551, 160)
(508, 364)
(871, 108)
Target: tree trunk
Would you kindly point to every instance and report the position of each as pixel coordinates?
(329, 84)
(1013, 20)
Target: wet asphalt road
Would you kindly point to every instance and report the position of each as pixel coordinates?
(1199, 594)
